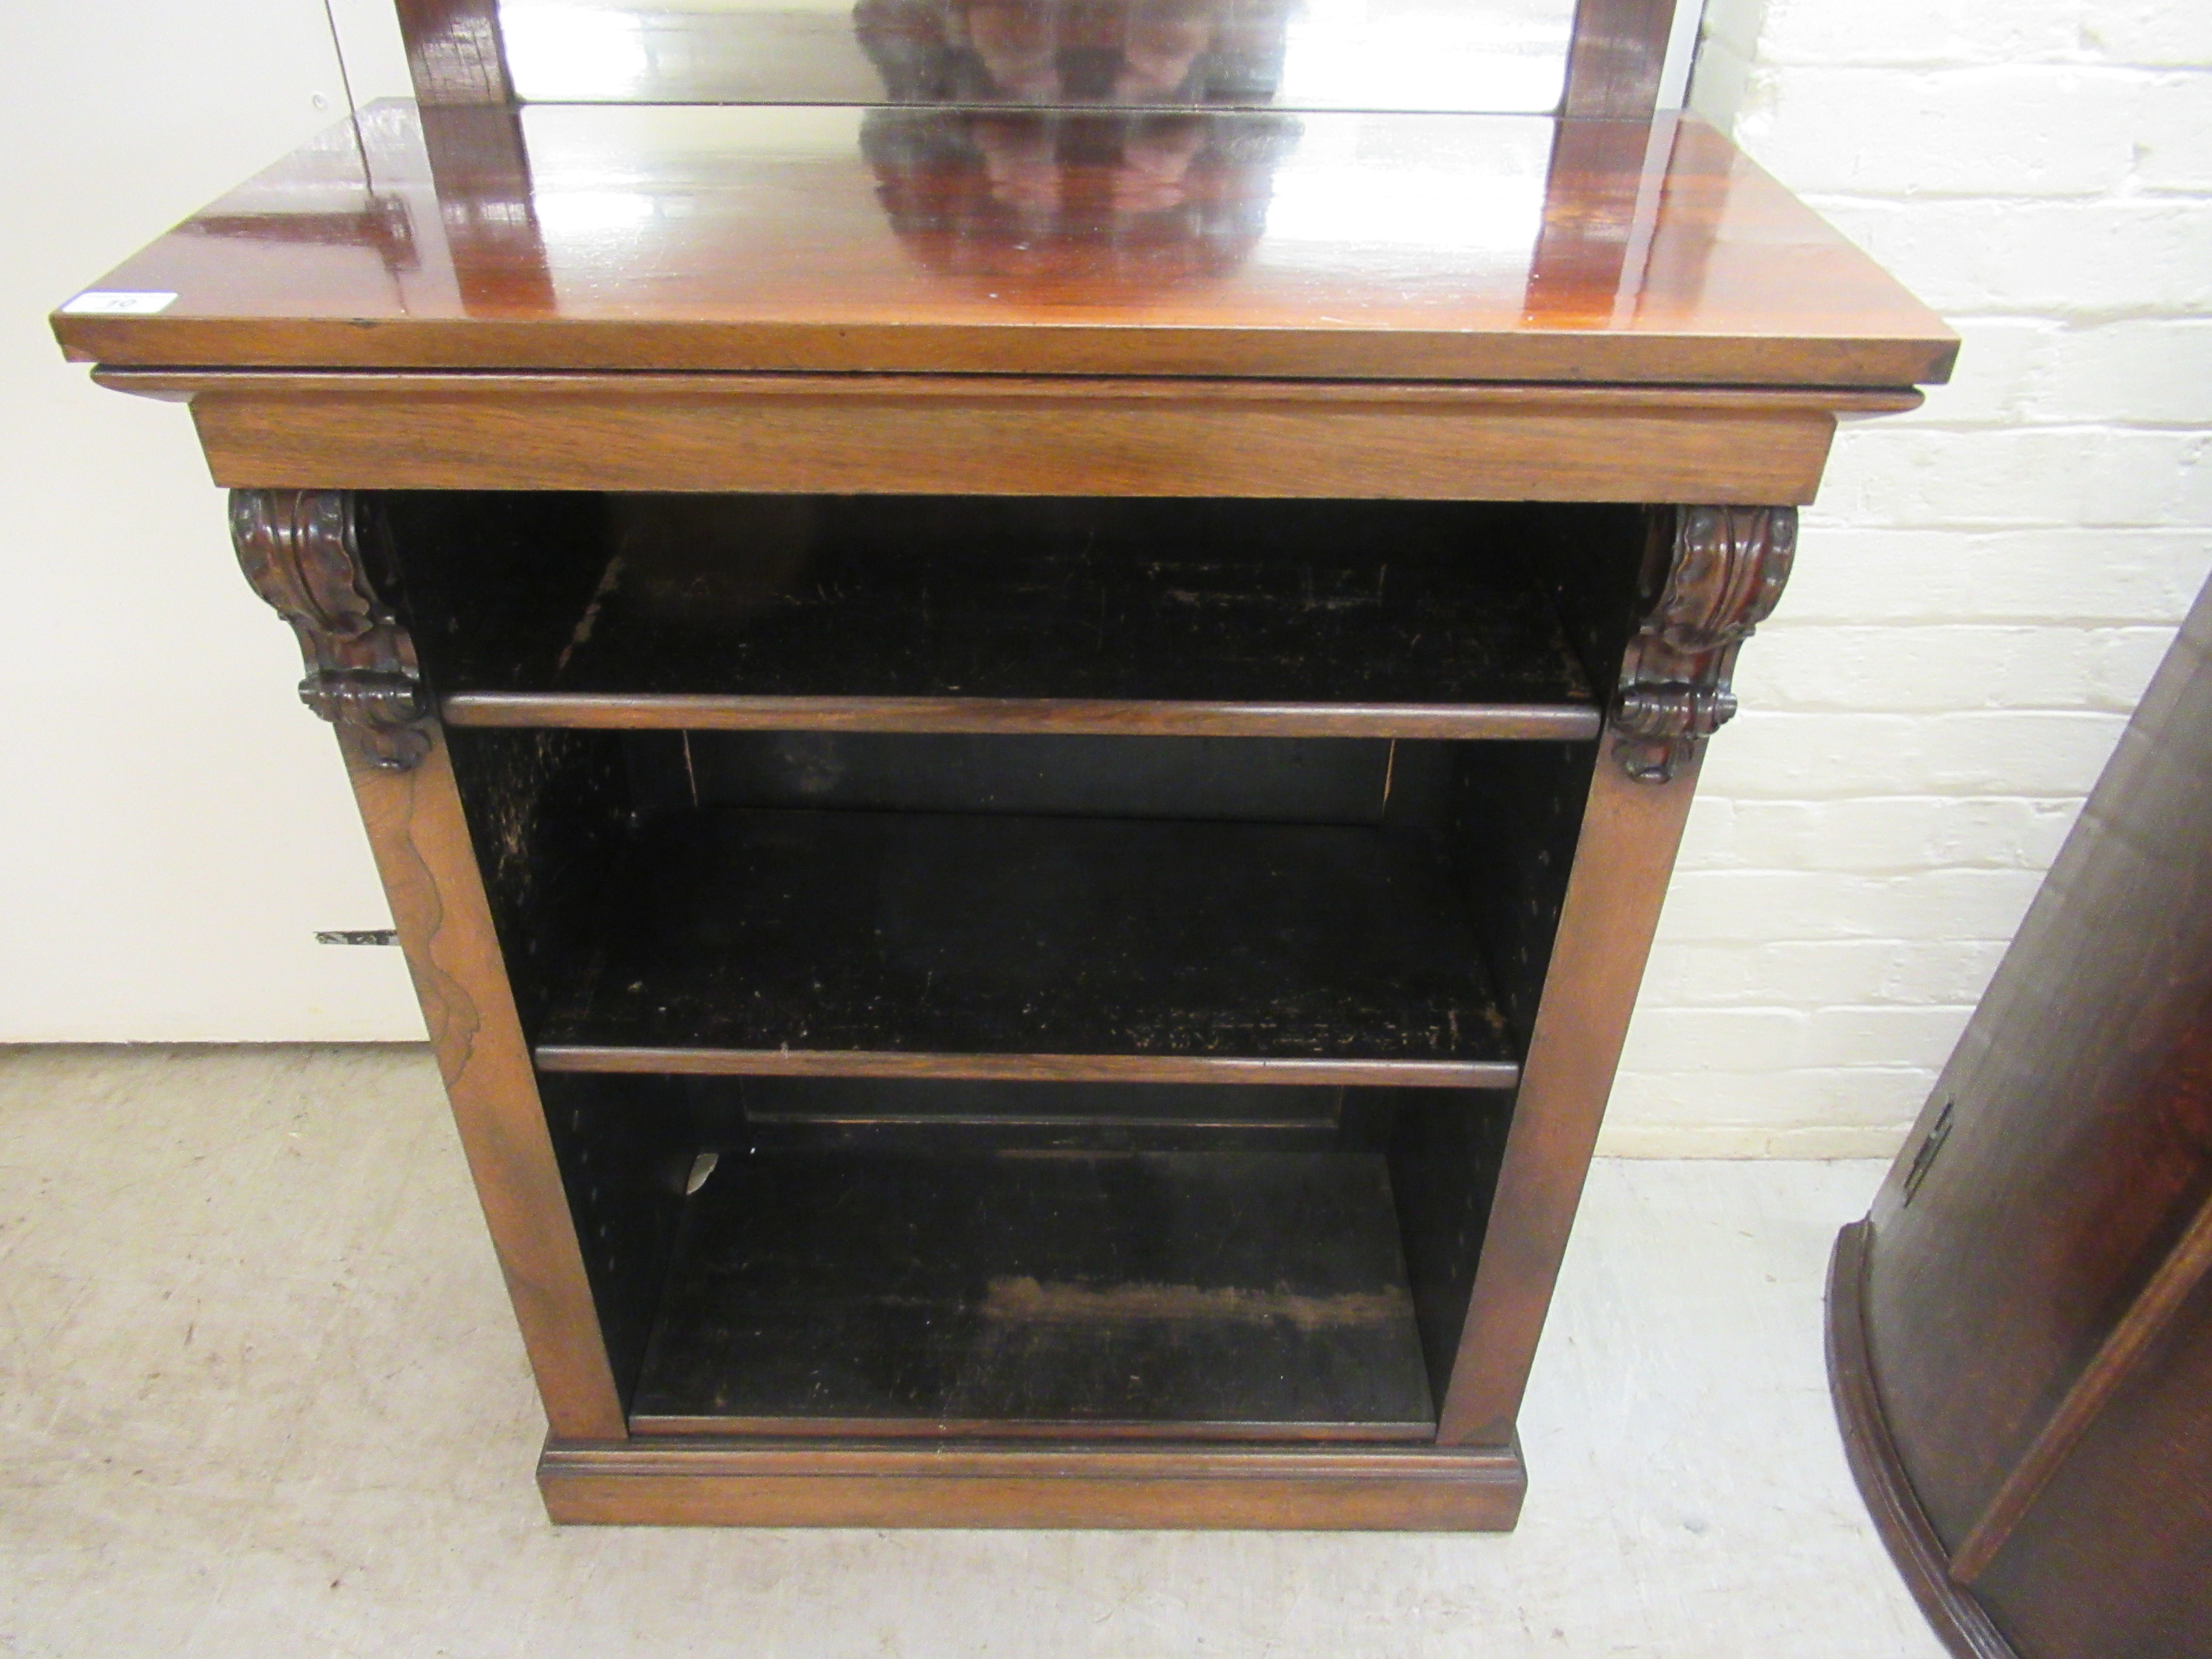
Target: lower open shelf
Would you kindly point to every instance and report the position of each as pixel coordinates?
(1208, 1295)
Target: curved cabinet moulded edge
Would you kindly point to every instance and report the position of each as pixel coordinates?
(1965, 1628)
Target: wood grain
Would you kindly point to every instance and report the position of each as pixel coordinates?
(428, 867)
(2075, 1153)
(455, 55)
(1619, 46)
(2037, 1299)
(2114, 1557)
(2150, 1318)
(1626, 853)
(1071, 1485)
(611, 711)
(1035, 1068)
(957, 436)
(1223, 244)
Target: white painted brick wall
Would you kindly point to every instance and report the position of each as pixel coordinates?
(1985, 586)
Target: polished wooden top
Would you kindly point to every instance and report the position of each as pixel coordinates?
(1320, 244)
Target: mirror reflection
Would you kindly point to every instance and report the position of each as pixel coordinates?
(1507, 56)
(1091, 51)
(1099, 200)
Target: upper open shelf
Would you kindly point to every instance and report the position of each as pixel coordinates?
(1223, 617)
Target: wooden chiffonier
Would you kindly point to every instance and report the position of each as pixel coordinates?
(1025, 678)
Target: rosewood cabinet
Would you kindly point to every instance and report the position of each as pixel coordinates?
(2020, 1333)
(1025, 738)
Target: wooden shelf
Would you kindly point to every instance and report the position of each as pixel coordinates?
(1092, 716)
(1007, 946)
(1222, 618)
(1195, 1294)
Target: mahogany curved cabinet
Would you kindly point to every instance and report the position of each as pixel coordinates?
(1025, 747)
(2021, 1332)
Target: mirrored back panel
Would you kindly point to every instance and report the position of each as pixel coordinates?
(1393, 55)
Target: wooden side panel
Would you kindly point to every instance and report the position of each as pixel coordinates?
(1075, 1485)
(481, 164)
(423, 853)
(1568, 947)
(453, 51)
(1601, 210)
(998, 442)
(1630, 833)
(1615, 60)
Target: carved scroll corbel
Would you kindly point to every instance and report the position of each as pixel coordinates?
(300, 549)
(1710, 576)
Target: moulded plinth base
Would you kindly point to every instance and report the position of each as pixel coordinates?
(820, 1483)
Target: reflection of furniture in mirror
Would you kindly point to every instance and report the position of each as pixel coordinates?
(1119, 203)
(1025, 754)
(1200, 53)
(2021, 1332)
(1315, 54)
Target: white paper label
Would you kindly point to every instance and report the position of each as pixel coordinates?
(102, 302)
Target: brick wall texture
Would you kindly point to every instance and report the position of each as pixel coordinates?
(1983, 586)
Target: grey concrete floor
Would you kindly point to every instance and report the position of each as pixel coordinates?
(260, 1394)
